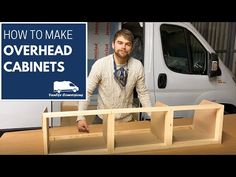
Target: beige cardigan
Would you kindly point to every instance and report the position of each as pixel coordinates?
(110, 94)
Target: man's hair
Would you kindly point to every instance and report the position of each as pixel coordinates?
(127, 34)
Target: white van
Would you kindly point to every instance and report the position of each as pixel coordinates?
(64, 86)
(181, 68)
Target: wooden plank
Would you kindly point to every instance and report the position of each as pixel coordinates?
(85, 144)
(195, 107)
(71, 132)
(206, 119)
(197, 142)
(184, 134)
(101, 151)
(139, 148)
(133, 140)
(110, 136)
(132, 125)
(130, 132)
(181, 127)
(219, 124)
(98, 134)
(75, 136)
(104, 111)
(130, 110)
(77, 113)
(158, 120)
(168, 137)
(45, 133)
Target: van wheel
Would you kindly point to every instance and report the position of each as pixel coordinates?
(74, 90)
(58, 91)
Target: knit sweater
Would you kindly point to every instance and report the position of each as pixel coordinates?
(110, 93)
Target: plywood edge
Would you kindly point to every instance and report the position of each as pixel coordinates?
(136, 148)
(45, 131)
(84, 152)
(194, 143)
(75, 136)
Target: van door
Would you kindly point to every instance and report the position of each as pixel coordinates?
(180, 66)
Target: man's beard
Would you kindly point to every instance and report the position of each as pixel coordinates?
(122, 56)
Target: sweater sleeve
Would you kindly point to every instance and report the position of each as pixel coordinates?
(93, 79)
(141, 88)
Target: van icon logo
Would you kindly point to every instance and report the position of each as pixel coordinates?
(64, 86)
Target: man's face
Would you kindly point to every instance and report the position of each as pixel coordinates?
(122, 47)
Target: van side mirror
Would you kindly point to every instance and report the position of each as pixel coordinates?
(213, 65)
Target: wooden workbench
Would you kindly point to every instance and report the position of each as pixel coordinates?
(31, 141)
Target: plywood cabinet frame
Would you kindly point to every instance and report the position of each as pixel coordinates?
(208, 118)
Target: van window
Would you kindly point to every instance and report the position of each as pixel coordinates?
(182, 52)
(199, 56)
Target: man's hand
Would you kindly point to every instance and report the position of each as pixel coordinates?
(82, 126)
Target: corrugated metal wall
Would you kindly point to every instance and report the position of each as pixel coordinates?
(221, 36)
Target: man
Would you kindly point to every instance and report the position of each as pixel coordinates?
(116, 75)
